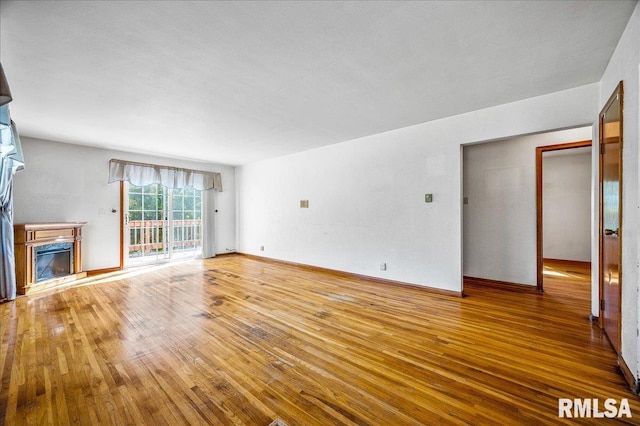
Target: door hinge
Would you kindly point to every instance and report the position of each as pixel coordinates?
(601, 148)
(602, 305)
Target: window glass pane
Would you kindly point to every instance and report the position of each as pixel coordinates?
(135, 201)
(162, 194)
(151, 189)
(150, 202)
(188, 203)
(150, 215)
(135, 215)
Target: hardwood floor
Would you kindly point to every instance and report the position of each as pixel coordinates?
(235, 341)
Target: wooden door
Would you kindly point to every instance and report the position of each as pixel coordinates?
(611, 216)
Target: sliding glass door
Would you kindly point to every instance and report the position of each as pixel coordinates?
(186, 222)
(161, 223)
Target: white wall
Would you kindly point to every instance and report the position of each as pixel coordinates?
(367, 195)
(625, 65)
(63, 182)
(566, 201)
(500, 217)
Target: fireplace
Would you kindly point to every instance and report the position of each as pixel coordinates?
(47, 255)
(53, 261)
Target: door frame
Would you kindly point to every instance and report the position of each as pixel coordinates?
(539, 225)
(122, 224)
(170, 239)
(125, 230)
(616, 96)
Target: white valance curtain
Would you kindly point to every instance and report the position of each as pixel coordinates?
(11, 161)
(143, 174)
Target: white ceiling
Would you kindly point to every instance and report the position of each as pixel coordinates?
(237, 82)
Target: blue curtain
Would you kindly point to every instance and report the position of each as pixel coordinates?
(11, 162)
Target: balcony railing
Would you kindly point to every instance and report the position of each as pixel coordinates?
(150, 236)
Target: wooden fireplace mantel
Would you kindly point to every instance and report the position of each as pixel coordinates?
(27, 236)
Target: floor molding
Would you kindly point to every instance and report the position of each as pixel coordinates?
(628, 375)
(504, 285)
(227, 253)
(352, 275)
(94, 272)
(577, 263)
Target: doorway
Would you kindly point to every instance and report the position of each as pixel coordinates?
(499, 206)
(161, 224)
(568, 213)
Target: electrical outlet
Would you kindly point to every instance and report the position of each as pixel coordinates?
(428, 198)
(383, 266)
(304, 204)
(261, 248)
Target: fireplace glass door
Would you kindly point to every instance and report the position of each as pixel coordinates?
(53, 261)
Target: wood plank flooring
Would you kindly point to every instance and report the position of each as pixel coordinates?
(239, 341)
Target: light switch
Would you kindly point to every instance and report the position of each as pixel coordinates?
(428, 198)
(304, 204)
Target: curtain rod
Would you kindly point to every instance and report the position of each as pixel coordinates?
(135, 163)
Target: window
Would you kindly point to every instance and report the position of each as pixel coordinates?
(163, 223)
(186, 213)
